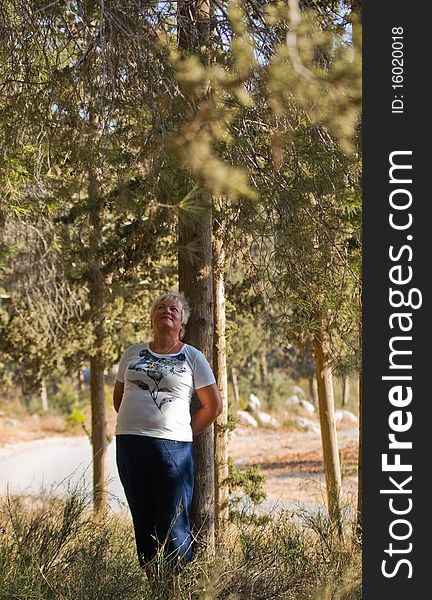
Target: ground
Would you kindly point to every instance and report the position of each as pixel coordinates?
(291, 460)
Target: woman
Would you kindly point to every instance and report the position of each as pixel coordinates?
(154, 386)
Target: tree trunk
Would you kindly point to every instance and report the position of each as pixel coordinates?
(264, 369)
(356, 18)
(97, 360)
(360, 460)
(328, 426)
(195, 280)
(313, 390)
(78, 379)
(235, 386)
(44, 396)
(356, 8)
(356, 11)
(220, 367)
(345, 390)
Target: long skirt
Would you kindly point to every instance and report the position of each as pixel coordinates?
(158, 477)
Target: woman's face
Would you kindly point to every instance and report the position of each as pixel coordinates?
(168, 315)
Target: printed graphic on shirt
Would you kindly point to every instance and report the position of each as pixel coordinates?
(157, 368)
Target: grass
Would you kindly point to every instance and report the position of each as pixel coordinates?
(54, 549)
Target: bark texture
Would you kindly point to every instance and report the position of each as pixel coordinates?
(97, 360)
(345, 390)
(360, 451)
(220, 368)
(44, 396)
(195, 280)
(328, 426)
(235, 386)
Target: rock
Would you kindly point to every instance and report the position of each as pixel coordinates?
(307, 424)
(301, 402)
(246, 418)
(297, 390)
(293, 399)
(254, 402)
(267, 419)
(345, 414)
(307, 405)
(12, 422)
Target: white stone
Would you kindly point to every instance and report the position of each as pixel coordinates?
(267, 419)
(293, 399)
(254, 402)
(246, 418)
(307, 424)
(345, 414)
(297, 390)
(307, 406)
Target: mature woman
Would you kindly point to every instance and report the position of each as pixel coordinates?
(152, 394)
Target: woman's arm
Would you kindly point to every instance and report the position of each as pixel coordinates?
(211, 407)
(118, 394)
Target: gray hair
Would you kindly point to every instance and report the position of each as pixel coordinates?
(185, 308)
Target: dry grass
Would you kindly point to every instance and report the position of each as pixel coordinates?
(24, 427)
(53, 549)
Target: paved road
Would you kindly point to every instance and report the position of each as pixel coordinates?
(53, 464)
(56, 464)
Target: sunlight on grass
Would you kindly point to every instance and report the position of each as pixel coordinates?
(53, 548)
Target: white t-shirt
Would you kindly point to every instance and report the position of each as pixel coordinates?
(158, 390)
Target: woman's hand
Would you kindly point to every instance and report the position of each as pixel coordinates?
(211, 407)
(118, 394)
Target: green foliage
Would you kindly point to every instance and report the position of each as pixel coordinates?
(232, 421)
(66, 398)
(315, 70)
(250, 481)
(75, 419)
(262, 118)
(83, 127)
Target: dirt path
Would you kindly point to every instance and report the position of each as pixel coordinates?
(292, 463)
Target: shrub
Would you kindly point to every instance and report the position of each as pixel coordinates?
(250, 481)
(65, 399)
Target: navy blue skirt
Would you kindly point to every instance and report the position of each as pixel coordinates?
(158, 478)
